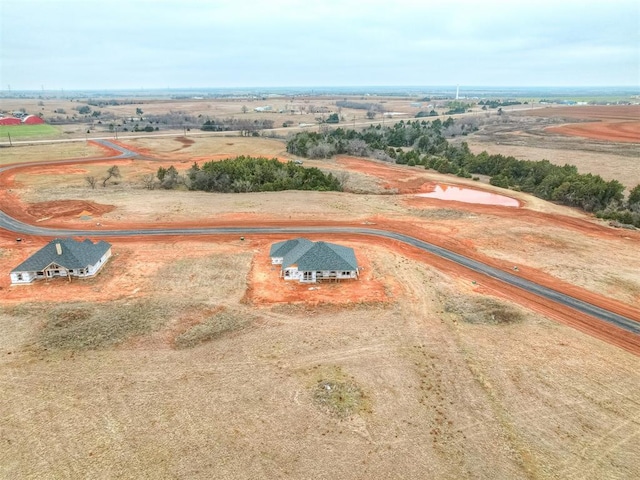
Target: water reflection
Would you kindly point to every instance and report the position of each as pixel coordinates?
(468, 195)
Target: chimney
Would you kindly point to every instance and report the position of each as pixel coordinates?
(59, 249)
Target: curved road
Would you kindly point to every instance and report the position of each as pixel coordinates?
(581, 306)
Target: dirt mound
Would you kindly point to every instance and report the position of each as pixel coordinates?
(185, 141)
(67, 208)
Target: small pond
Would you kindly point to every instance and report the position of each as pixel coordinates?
(468, 195)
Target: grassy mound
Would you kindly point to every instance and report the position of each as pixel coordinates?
(86, 326)
(222, 322)
(338, 393)
(483, 310)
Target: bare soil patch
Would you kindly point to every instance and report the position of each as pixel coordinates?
(66, 209)
(267, 288)
(593, 112)
(613, 131)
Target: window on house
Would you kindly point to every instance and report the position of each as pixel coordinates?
(307, 276)
(19, 276)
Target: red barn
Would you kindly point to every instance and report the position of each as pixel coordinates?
(32, 120)
(9, 121)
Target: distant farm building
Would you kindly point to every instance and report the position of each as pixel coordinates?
(9, 121)
(32, 120)
(63, 258)
(26, 120)
(310, 262)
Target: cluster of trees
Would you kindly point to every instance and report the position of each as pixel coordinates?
(424, 113)
(422, 143)
(251, 174)
(457, 107)
(384, 143)
(247, 127)
(174, 119)
(624, 212)
(333, 118)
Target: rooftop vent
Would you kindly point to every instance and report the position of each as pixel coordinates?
(59, 248)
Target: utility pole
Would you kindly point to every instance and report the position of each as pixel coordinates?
(9, 135)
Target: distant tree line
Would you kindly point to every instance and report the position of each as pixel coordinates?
(111, 102)
(498, 103)
(247, 127)
(421, 143)
(373, 107)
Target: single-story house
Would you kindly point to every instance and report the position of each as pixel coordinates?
(310, 262)
(63, 258)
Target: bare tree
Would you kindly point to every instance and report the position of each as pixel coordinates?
(244, 109)
(92, 181)
(149, 181)
(112, 172)
(343, 178)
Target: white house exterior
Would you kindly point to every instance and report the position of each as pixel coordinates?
(63, 258)
(310, 262)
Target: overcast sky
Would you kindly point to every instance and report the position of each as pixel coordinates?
(74, 44)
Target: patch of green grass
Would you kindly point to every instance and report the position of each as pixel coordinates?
(338, 393)
(220, 323)
(19, 132)
(87, 326)
(483, 310)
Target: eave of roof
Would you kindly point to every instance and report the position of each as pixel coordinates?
(75, 254)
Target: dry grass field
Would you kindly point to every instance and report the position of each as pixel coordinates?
(46, 152)
(187, 357)
(587, 137)
(189, 379)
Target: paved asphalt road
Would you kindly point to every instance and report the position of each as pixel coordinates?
(619, 321)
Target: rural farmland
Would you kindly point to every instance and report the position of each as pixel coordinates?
(419, 367)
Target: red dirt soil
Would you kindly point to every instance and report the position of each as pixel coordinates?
(628, 132)
(615, 123)
(589, 112)
(66, 208)
(264, 289)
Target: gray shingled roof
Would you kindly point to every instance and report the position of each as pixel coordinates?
(74, 255)
(321, 256)
(280, 249)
